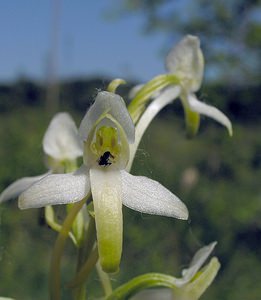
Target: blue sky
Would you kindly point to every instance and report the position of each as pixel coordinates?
(88, 43)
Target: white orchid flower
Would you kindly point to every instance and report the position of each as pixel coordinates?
(107, 131)
(195, 280)
(61, 146)
(187, 62)
(61, 142)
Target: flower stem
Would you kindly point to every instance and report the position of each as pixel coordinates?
(85, 270)
(105, 280)
(142, 282)
(50, 220)
(84, 251)
(87, 244)
(55, 280)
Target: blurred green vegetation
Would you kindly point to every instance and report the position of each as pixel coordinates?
(218, 177)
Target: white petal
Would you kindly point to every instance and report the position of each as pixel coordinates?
(160, 101)
(149, 196)
(57, 189)
(112, 104)
(107, 200)
(198, 260)
(210, 111)
(19, 186)
(186, 60)
(61, 140)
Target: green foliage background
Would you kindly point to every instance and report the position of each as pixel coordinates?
(224, 198)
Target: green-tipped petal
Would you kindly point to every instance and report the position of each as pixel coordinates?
(61, 140)
(149, 196)
(19, 186)
(107, 199)
(186, 61)
(209, 111)
(56, 189)
(192, 120)
(202, 280)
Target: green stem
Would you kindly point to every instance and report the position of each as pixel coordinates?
(83, 253)
(142, 282)
(50, 220)
(55, 280)
(105, 280)
(85, 270)
(88, 243)
(80, 293)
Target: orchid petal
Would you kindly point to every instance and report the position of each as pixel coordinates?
(210, 111)
(149, 196)
(56, 189)
(19, 186)
(186, 60)
(111, 104)
(61, 140)
(107, 200)
(197, 261)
